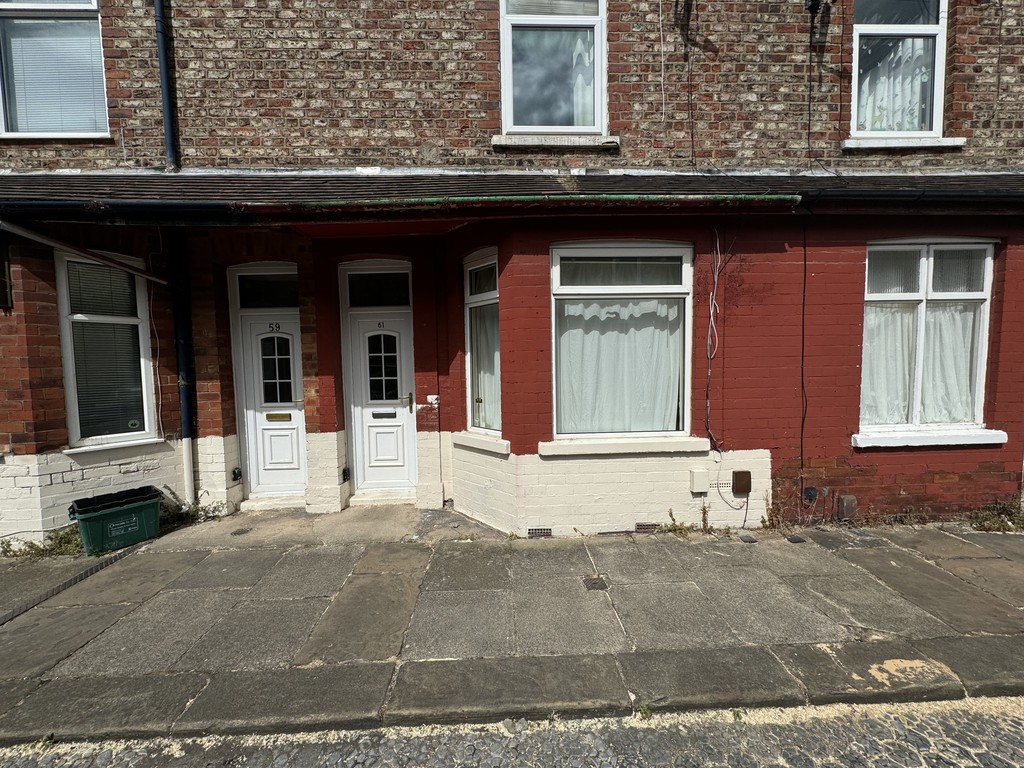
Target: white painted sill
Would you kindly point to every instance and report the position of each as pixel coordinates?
(891, 143)
(554, 141)
(14, 135)
(911, 438)
(112, 446)
(482, 442)
(606, 446)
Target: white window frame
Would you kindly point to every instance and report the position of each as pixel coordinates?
(66, 10)
(598, 24)
(141, 321)
(611, 249)
(898, 138)
(915, 433)
(482, 258)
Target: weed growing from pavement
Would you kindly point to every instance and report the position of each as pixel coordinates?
(998, 516)
(63, 541)
(679, 529)
(175, 513)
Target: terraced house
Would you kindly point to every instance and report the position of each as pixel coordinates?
(570, 266)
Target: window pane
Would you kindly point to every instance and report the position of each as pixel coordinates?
(959, 269)
(108, 378)
(893, 271)
(896, 78)
(950, 362)
(95, 289)
(485, 376)
(387, 289)
(483, 280)
(887, 375)
(553, 76)
(896, 12)
(621, 271)
(618, 365)
(553, 7)
(53, 75)
(268, 291)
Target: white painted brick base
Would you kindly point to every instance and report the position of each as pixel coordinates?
(326, 456)
(36, 491)
(603, 493)
(216, 459)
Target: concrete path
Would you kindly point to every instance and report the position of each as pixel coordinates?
(271, 622)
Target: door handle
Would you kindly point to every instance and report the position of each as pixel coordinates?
(409, 398)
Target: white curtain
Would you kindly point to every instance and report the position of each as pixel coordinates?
(947, 386)
(486, 366)
(896, 84)
(583, 80)
(618, 365)
(887, 373)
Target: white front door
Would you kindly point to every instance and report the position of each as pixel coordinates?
(383, 402)
(275, 422)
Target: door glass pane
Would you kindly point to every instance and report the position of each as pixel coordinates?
(384, 289)
(553, 76)
(382, 366)
(277, 369)
(268, 291)
(893, 271)
(108, 378)
(959, 269)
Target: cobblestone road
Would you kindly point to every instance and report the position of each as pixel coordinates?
(982, 732)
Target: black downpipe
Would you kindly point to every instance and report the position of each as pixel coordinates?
(163, 37)
(182, 307)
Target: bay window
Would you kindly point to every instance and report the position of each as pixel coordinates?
(108, 380)
(553, 66)
(899, 59)
(51, 69)
(482, 349)
(620, 337)
(925, 336)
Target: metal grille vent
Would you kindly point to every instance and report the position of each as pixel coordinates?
(647, 527)
(538, 533)
(595, 582)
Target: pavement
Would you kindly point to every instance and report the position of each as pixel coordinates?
(275, 622)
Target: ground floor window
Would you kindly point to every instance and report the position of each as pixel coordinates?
(484, 356)
(620, 337)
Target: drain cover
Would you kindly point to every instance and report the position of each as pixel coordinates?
(595, 582)
(240, 531)
(746, 538)
(796, 539)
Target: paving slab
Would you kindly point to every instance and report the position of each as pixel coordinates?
(134, 579)
(469, 565)
(709, 679)
(13, 691)
(1008, 545)
(461, 624)
(229, 569)
(308, 572)
(393, 557)
(23, 580)
(948, 598)
(391, 522)
(436, 525)
(864, 673)
(550, 557)
(999, 577)
(934, 544)
(366, 620)
(107, 708)
(861, 601)
(35, 641)
(761, 609)
(287, 700)
(636, 560)
(255, 635)
(987, 666)
(672, 615)
(243, 530)
(835, 539)
(786, 559)
(558, 615)
(492, 689)
(152, 638)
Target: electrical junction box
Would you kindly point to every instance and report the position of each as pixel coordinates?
(700, 481)
(741, 482)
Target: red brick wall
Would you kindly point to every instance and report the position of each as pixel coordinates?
(690, 85)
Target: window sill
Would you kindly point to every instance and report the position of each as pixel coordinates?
(554, 141)
(604, 446)
(482, 442)
(112, 446)
(894, 143)
(51, 136)
(915, 438)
